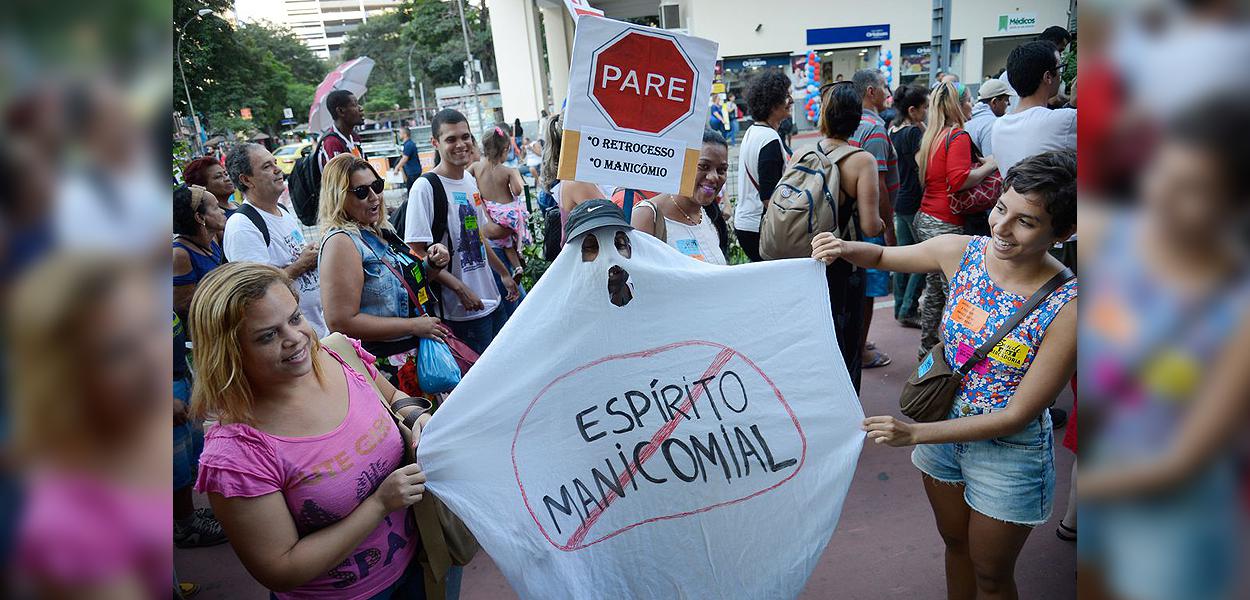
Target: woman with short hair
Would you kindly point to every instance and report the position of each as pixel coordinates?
(761, 156)
(208, 173)
(988, 467)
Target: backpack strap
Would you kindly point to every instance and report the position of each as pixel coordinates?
(1019, 315)
(661, 230)
(438, 227)
(253, 215)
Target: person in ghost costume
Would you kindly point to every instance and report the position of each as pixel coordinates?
(655, 445)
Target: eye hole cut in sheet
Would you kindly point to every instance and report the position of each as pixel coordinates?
(650, 426)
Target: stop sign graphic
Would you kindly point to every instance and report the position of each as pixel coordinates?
(643, 82)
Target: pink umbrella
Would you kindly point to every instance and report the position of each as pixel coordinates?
(350, 76)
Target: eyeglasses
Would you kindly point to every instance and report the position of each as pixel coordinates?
(362, 191)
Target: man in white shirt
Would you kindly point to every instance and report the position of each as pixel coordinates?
(1033, 128)
(281, 243)
(992, 101)
(470, 298)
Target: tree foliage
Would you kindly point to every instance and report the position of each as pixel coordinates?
(431, 28)
(256, 66)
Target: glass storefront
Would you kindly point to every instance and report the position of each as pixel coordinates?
(845, 62)
(913, 62)
(737, 72)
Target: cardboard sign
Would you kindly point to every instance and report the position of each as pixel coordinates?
(637, 106)
(684, 444)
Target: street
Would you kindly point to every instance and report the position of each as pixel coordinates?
(886, 544)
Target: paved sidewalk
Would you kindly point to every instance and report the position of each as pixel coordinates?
(886, 545)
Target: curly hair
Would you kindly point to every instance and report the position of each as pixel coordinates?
(767, 91)
(1051, 176)
(196, 171)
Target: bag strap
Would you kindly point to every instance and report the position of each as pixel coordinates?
(253, 215)
(661, 229)
(412, 296)
(1041, 294)
(438, 228)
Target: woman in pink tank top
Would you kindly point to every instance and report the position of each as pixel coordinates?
(305, 469)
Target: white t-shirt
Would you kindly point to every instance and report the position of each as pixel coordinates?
(244, 242)
(1017, 136)
(750, 208)
(699, 242)
(468, 259)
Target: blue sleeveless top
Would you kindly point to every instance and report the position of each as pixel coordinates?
(200, 264)
(975, 308)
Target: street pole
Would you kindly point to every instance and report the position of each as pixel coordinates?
(412, 93)
(195, 119)
(423, 105)
(468, 65)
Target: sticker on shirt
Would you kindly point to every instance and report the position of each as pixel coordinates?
(469, 246)
(964, 353)
(690, 248)
(1110, 317)
(969, 315)
(1010, 352)
(1173, 374)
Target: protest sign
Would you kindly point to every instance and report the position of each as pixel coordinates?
(579, 8)
(637, 106)
(694, 441)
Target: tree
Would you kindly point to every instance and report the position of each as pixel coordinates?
(256, 66)
(432, 29)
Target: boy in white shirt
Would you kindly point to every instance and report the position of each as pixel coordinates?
(470, 298)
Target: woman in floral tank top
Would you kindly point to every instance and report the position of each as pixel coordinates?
(988, 468)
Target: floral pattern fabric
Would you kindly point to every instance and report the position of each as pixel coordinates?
(976, 307)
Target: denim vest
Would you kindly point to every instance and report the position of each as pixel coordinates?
(383, 294)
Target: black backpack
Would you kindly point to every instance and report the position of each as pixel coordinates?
(438, 228)
(304, 183)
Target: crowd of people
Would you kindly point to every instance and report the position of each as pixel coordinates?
(306, 477)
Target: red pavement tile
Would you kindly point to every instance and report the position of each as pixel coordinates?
(886, 545)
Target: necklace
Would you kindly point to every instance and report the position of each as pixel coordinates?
(206, 251)
(683, 211)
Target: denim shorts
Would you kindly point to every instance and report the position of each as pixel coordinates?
(1011, 478)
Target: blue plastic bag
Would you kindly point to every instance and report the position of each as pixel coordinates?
(437, 371)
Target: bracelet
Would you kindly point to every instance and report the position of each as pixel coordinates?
(407, 401)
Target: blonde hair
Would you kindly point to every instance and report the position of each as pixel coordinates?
(336, 184)
(215, 321)
(944, 112)
(48, 313)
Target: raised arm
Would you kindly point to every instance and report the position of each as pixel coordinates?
(938, 254)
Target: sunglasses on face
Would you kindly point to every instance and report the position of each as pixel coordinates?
(362, 191)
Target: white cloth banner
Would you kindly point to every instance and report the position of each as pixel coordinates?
(696, 442)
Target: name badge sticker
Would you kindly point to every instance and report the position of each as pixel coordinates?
(969, 315)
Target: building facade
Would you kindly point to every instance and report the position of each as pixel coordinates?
(754, 35)
(320, 24)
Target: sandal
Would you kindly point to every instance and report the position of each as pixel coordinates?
(1065, 533)
(880, 359)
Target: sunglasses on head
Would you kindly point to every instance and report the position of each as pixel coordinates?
(362, 191)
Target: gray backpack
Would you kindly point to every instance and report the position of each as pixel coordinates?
(805, 202)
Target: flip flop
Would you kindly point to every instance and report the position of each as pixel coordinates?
(1065, 533)
(880, 359)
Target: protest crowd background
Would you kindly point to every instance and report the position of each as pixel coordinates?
(323, 215)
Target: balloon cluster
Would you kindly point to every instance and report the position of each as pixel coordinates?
(885, 64)
(810, 82)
